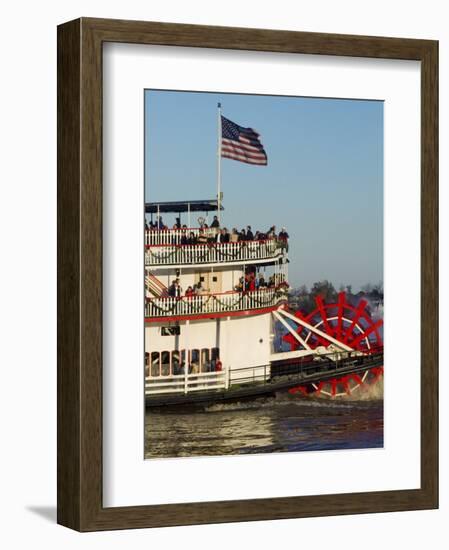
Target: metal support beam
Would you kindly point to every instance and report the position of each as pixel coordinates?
(313, 329)
(291, 331)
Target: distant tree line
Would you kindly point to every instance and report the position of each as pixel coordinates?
(304, 298)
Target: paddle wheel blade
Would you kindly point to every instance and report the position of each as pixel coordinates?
(349, 324)
(326, 327)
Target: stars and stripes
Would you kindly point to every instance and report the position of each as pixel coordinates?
(242, 144)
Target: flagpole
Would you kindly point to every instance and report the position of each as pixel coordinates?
(219, 162)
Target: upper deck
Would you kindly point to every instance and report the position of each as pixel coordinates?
(184, 246)
(168, 247)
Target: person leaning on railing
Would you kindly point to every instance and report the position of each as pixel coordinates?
(251, 284)
(202, 237)
(190, 295)
(175, 290)
(160, 223)
(239, 286)
(172, 289)
(222, 236)
(283, 238)
(199, 289)
(261, 281)
(211, 233)
(191, 238)
(206, 232)
(272, 232)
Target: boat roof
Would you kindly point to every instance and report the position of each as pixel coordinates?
(182, 206)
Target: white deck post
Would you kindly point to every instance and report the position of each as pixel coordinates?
(227, 366)
(186, 364)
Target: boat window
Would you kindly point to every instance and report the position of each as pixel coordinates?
(195, 360)
(205, 361)
(155, 364)
(147, 364)
(171, 330)
(215, 353)
(175, 365)
(165, 363)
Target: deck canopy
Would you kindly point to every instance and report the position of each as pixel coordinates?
(176, 207)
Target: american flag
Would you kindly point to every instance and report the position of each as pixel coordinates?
(241, 144)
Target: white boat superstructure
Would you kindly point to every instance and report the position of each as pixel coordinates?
(222, 332)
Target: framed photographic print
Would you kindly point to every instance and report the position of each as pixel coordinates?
(247, 274)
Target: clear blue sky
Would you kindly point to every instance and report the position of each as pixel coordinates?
(323, 182)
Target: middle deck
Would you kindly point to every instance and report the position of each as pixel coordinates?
(165, 248)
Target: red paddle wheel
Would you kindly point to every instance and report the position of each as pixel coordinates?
(349, 324)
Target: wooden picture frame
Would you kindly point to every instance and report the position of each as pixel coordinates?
(80, 351)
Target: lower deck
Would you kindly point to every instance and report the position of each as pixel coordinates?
(207, 347)
(253, 382)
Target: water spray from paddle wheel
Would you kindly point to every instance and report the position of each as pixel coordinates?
(337, 329)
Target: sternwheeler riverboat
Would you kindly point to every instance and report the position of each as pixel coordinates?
(218, 343)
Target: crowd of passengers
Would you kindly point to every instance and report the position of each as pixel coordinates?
(214, 365)
(217, 234)
(247, 283)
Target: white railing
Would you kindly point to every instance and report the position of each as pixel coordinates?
(250, 375)
(214, 303)
(158, 237)
(259, 374)
(185, 383)
(213, 252)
